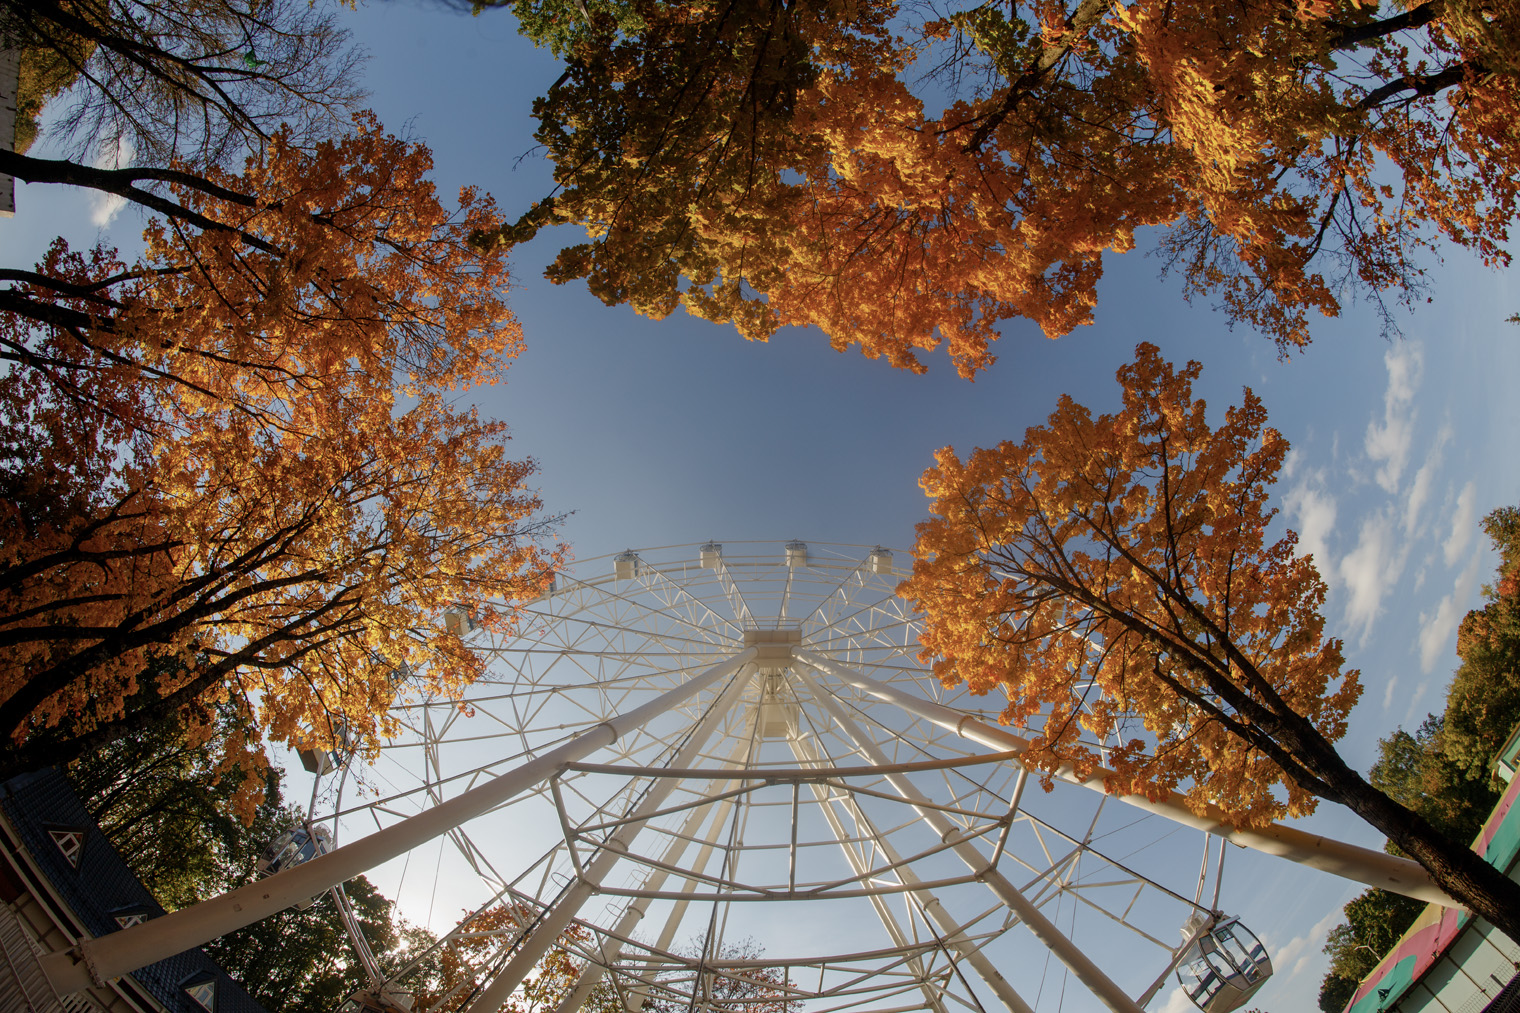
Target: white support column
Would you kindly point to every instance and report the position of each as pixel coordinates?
(1081, 966)
(639, 995)
(612, 948)
(113, 955)
(1363, 865)
(547, 932)
(950, 931)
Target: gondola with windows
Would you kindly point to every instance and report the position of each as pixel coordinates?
(1223, 965)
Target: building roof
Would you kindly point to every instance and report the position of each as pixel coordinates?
(1438, 928)
(94, 881)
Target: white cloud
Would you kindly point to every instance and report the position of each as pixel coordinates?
(1414, 703)
(1464, 524)
(104, 207)
(1294, 956)
(1313, 510)
(1370, 570)
(1178, 1002)
(1419, 489)
(1388, 692)
(1388, 443)
(1436, 629)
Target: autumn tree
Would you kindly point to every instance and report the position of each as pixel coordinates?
(728, 978)
(201, 80)
(237, 463)
(450, 974)
(1287, 156)
(671, 128)
(1112, 576)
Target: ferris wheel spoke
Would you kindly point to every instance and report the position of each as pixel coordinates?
(843, 776)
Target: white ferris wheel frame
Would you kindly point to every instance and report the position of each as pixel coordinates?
(655, 707)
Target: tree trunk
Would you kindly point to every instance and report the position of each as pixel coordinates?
(1453, 865)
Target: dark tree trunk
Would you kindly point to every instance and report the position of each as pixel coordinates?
(1453, 865)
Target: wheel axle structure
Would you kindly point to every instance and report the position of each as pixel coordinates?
(720, 777)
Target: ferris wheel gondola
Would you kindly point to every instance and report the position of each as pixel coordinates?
(859, 796)
(1222, 964)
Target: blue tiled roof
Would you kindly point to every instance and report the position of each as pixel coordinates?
(102, 886)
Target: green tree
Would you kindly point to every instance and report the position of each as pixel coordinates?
(1418, 771)
(1375, 920)
(167, 800)
(303, 961)
(1444, 770)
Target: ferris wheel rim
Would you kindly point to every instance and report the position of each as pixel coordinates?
(674, 573)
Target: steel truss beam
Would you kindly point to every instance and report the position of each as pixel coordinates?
(1080, 965)
(1363, 865)
(110, 956)
(547, 931)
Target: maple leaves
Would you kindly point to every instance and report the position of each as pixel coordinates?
(1111, 574)
(251, 474)
(1287, 156)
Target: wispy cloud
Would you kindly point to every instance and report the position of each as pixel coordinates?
(1388, 442)
(104, 207)
(1370, 570)
(1293, 957)
(1437, 629)
(1464, 524)
(1178, 1002)
(1419, 489)
(1313, 512)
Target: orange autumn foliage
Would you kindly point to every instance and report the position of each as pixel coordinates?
(1286, 156)
(1112, 576)
(235, 468)
(462, 966)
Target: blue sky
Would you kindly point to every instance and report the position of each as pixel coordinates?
(677, 431)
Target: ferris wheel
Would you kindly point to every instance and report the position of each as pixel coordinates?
(720, 777)
(809, 818)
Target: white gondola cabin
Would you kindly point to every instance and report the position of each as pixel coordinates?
(292, 848)
(1224, 966)
(625, 565)
(796, 554)
(378, 1000)
(324, 761)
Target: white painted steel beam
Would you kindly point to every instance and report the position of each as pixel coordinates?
(612, 947)
(547, 932)
(638, 996)
(1081, 966)
(950, 934)
(110, 956)
(1363, 865)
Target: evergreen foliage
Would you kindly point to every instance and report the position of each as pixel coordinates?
(1444, 770)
